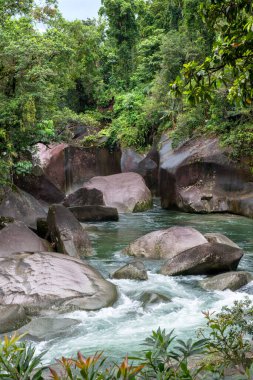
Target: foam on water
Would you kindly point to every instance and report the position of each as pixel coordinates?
(122, 328)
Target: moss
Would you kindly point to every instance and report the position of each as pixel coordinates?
(143, 206)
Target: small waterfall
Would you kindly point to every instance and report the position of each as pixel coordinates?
(68, 169)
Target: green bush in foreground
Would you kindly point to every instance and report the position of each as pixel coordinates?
(223, 351)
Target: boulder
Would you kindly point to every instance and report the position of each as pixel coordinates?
(230, 280)
(67, 233)
(12, 317)
(151, 298)
(209, 258)
(22, 207)
(132, 271)
(40, 186)
(199, 176)
(127, 191)
(45, 328)
(94, 213)
(220, 238)
(164, 244)
(17, 237)
(84, 197)
(146, 165)
(50, 281)
(69, 166)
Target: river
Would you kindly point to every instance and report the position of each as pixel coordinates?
(122, 328)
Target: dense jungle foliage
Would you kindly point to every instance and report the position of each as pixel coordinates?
(143, 67)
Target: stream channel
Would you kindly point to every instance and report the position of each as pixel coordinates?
(122, 328)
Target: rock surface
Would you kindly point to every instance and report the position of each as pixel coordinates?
(50, 281)
(164, 244)
(84, 197)
(47, 328)
(22, 207)
(67, 233)
(68, 166)
(230, 280)
(220, 238)
(210, 258)
(11, 318)
(94, 213)
(200, 177)
(151, 298)
(127, 191)
(147, 165)
(132, 271)
(16, 237)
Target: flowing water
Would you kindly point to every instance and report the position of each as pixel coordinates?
(122, 328)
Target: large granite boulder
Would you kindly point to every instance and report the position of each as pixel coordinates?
(164, 244)
(69, 166)
(230, 280)
(132, 271)
(50, 281)
(22, 207)
(67, 233)
(84, 197)
(217, 237)
(12, 317)
(127, 191)
(16, 237)
(146, 165)
(199, 176)
(209, 258)
(94, 213)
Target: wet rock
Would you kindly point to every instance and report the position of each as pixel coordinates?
(144, 164)
(21, 206)
(127, 191)
(165, 244)
(42, 228)
(220, 238)
(18, 237)
(39, 186)
(132, 271)
(199, 176)
(210, 258)
(69, 166)
(151, 298)
(47, 328)
(67, 233)
(94, 213)
(230, 280)
(84, 197)
(50, 281)
(11, 318)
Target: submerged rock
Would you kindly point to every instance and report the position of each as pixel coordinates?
(207, 258)
(230, 280)
(165, 244)
(22, 207)
(67, 233)
(132, 271)
(47, 328)
(127, 191)
(94, 213)
(18, 237)
(50, 281)
(12, 317)
(151, 298)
